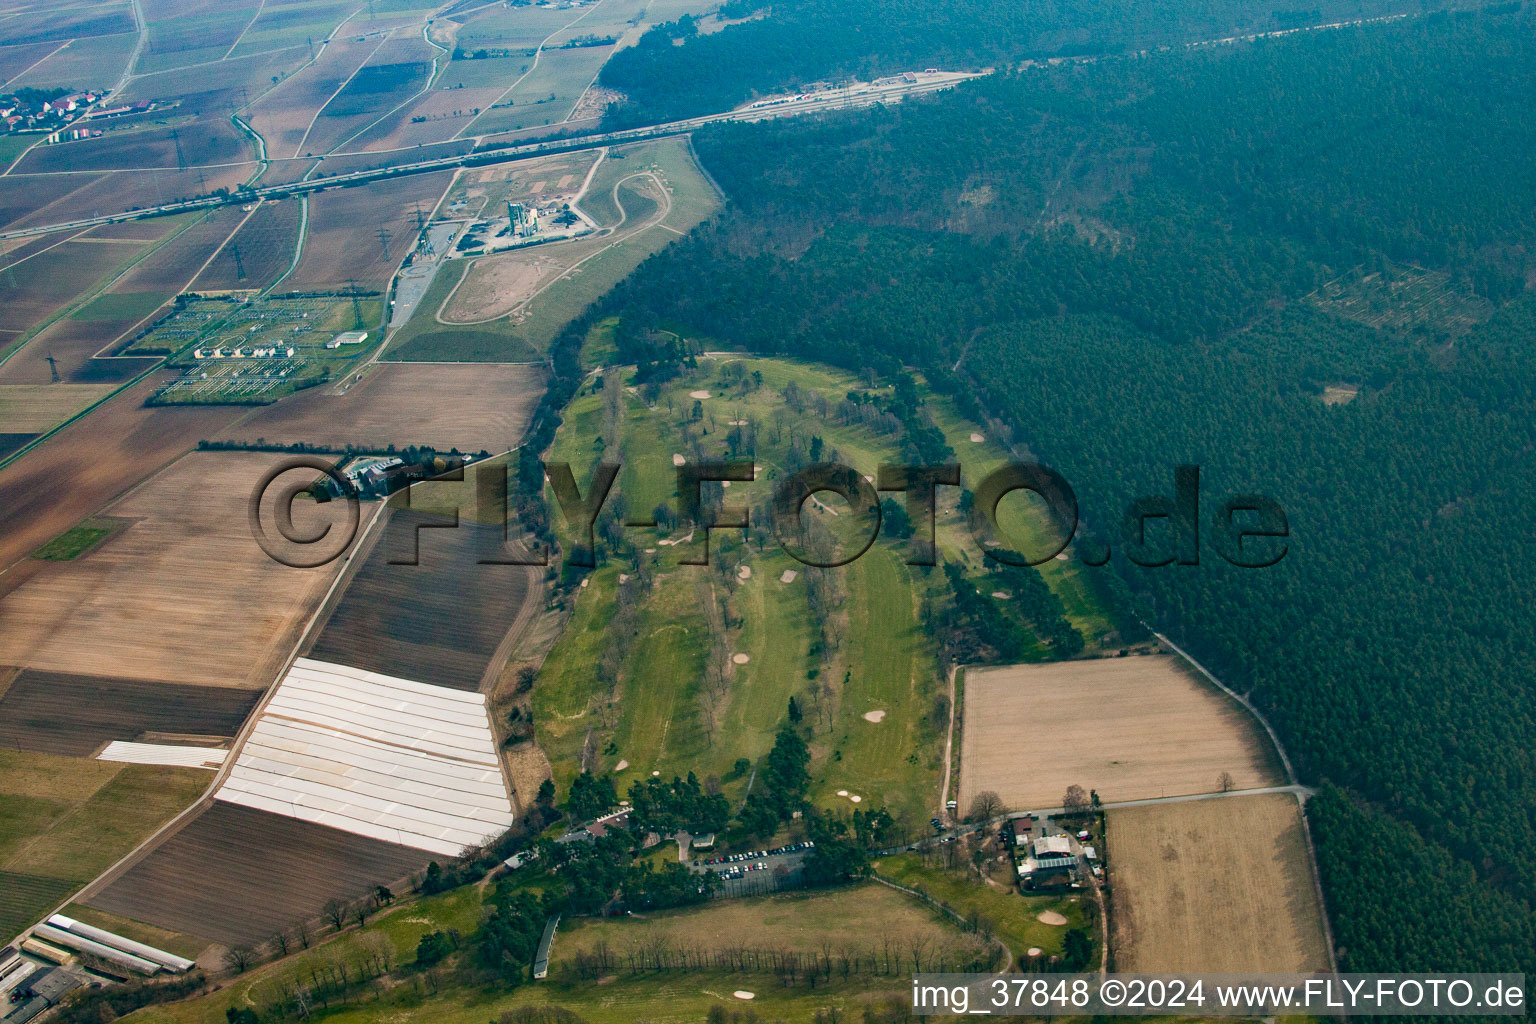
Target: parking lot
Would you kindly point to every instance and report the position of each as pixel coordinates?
(755, 872)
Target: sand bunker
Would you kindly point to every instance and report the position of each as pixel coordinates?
(1034, 951)
(1062, 556)
(842, 792)
(700, 395)
(741, 659)
(1050, 917)
(855, 798)
(621, 766)
(874, 716)
(735, 423)
(978, 438)
(789, 576)
(1001, 595)
(677, 459)
(744, 572)
(742, 993)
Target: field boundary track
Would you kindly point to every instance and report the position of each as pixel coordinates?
(355, 558)
(1290, 774)
(182, 820)
(537, 53)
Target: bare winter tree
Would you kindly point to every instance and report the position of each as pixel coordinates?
(335, 912)
(1226, 783)
(239, 958)
(1076, 800)
(985, 806)
(280, 943)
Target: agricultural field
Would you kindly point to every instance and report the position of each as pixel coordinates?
(213, 89)
(465, 406)
(187, 572)
(445, 620)
(183, 32)
(39, 199)
(546, 94)
(21, 198)
(258, 873)
(85, 62)
(287, 113)
(1221, 885)
(92, 461)
(75, 716)
(37, 408)
(437, 116)
(259, 253)
(394, 73)
(279, 26)
(210, 140)
(56, 273)
(11, 443)
(360, 235)
(83, 344)
(17, 57)
(1140, 726)
(63, 820)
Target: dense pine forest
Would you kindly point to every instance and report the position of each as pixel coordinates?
(678, 71)
(1303, 264)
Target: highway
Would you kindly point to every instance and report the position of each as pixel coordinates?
(862, 95)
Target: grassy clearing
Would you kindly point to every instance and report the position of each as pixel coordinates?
(92, 836)
(120, 306)
(661, 727)
(1013, 918)
(73, 542)
(63, 820)
(871, 920)
(865, 917)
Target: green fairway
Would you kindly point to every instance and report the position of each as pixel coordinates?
(702, 668)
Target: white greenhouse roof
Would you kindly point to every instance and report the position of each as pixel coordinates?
(374, 755)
